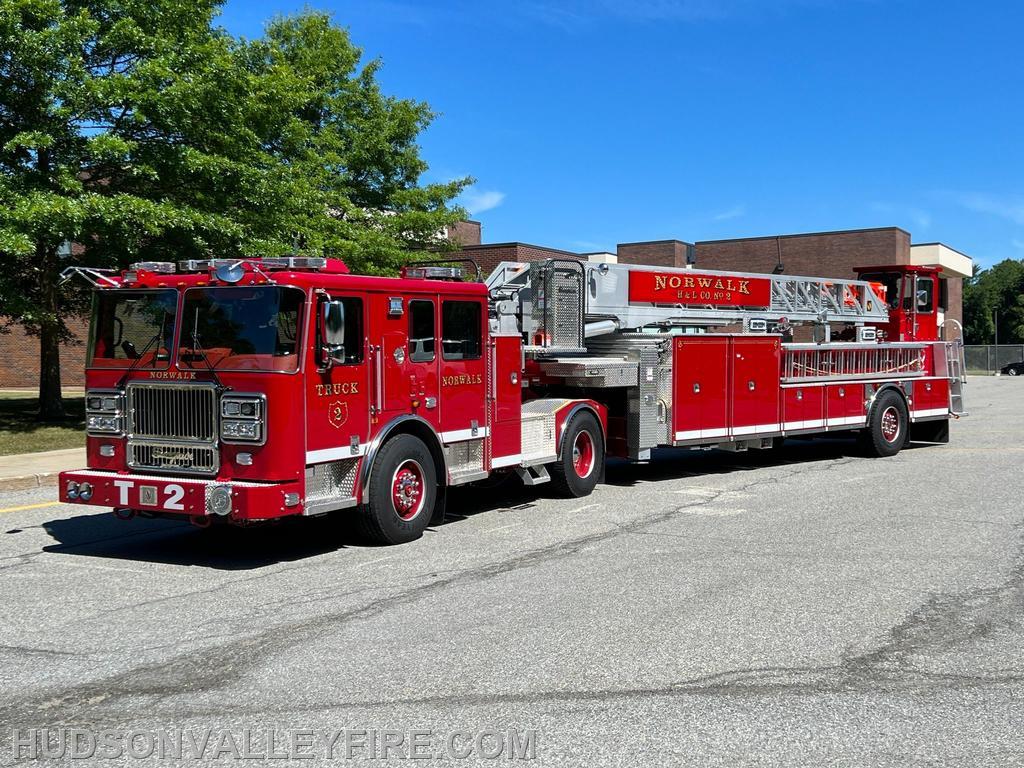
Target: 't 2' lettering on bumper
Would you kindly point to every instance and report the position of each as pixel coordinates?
(182, 496)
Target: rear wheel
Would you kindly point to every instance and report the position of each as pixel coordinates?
(888, 426)
(1012, 371)
(577, 471)
(403, 488)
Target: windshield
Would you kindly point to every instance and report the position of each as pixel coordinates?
(132, 328)
(242, 329)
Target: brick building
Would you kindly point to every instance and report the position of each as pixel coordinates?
(19, 357)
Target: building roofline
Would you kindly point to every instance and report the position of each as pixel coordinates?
(655, 242)
(954, 250)
(806, 234)
(516, 244)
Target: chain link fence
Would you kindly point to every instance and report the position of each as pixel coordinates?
(989, 358)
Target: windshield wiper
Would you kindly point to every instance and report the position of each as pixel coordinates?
(197, 347)
(156, 337)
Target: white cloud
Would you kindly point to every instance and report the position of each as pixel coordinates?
(1011, 208)
(732, 213)
(479, 200)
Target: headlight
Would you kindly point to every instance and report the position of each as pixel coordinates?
(241, 430)
(243, 418)
(103, 412)
(105, 424)
(85, 491)
(72, 489)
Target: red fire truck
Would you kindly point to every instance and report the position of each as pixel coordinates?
(251, 390)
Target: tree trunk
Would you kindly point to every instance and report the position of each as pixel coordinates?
(51, 406)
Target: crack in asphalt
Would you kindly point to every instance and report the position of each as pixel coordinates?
(943, 623)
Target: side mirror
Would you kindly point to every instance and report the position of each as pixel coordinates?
(332, 331)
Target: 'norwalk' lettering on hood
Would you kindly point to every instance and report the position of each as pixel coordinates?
(697, 288)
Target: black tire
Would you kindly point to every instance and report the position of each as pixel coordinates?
(572, 475)
(1012, 372)
(888, 425)
(403, 472)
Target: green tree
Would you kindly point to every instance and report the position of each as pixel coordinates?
(991, 295)
(140, 130)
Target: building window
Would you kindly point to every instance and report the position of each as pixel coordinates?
(421, 331)
(460, 329)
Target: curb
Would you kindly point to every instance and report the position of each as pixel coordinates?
(23, 482)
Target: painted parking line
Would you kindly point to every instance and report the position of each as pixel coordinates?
(29, 506)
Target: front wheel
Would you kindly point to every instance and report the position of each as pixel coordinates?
(1012, 372)
(888, 426)
(577, 471)
(403, 488)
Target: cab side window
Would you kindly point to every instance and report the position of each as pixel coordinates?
(353, 346)
(460, 330)
(925, 291)
(421, 331)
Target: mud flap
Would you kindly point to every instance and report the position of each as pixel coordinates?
(437, 518)
(930, 431)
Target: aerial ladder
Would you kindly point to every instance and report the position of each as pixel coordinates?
(559, 303)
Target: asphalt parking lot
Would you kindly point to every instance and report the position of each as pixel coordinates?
(803, 606)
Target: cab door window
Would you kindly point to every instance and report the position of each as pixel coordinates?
(421, 331)
(925, 291)
(351, 352)
(460, 330)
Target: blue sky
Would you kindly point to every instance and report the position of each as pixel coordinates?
(592, 122)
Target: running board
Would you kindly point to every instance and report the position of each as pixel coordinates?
(533, 475)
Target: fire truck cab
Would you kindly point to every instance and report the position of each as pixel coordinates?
(255, 389)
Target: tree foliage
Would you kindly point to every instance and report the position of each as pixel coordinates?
(995, 294)
(140, 130)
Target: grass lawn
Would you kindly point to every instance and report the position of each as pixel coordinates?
(22, 432)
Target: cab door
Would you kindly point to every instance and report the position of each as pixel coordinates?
(420, 371)
(403, 343)
(338, 404)
(463, 369)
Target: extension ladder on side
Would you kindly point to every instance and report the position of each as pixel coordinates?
(955, 368)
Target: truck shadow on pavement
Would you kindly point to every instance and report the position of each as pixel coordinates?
(232, 548)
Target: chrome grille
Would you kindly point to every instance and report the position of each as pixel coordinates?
(173, 427)
(172, 411)
(172, 456)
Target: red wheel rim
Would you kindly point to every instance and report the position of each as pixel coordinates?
(891, 424)
(407, 495)
(583, 454)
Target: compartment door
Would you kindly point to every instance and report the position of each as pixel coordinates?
(844, 405)
(507, 400)
(754, 383)
(803, 408)
(700, 408)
